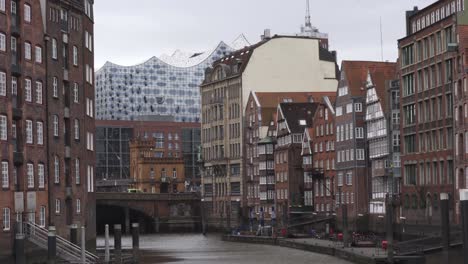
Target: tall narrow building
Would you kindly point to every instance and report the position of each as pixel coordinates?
(46, 116)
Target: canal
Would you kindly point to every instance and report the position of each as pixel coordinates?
(198, 249)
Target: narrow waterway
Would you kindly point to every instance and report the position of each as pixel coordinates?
(198, 249)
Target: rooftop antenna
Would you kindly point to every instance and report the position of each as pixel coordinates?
(381, 39)
(307, 18)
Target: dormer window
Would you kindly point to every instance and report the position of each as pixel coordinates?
(302, 122)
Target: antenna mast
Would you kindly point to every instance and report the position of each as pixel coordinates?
(381, 40)
(307, 18)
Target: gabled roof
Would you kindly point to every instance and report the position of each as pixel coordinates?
(294, 113)
(307, 140)
(380, 76)
(356, 74)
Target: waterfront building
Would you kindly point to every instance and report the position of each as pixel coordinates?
(318, 159)
(433, 86)
(352, 154)
(153, 173)
(164, 86)
(173, 139)
(47, 117)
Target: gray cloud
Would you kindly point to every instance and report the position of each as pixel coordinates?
(131, 32)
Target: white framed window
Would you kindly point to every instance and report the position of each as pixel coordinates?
(56, 125)
(76, 97)
(54, 49)
(339, 111)
(41, 175)
(39, 92)
(30, 171)
(38, 54)
(27, 51)
(14, 42)
(55, 87)
(29, 132)
(2, 5)
(14, 85)
(6, 219)
(359, 154)
(27, 90)
(3, 83)
(42, 216)
(358, 107)
(5, 175)
(56, 169)
(77, 129)
(78, 206)
(27, 13)
(90, 179)
(359, 132)
(75, 55)
(89, 107)
(40, 132)
(57, 206)
(13, 7)
(77, 171)
(3, 127)
(90, 141)
(2, 40)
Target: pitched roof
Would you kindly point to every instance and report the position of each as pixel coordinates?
(380, 76)
(294, 113)
(356, 73)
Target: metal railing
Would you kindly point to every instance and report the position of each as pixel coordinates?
(65, 249)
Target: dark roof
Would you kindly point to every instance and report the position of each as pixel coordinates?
(380, 76)
(294, 112)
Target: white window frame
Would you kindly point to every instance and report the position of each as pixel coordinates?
(55, 87)
(57, 206)
(40, 132)
(358, 107)
(3, 127)
(39, 90)
(55, 122)
(42, 216)
(30, 173)
(41, 175)
(5, 175)
(2, 6)
(38, 54)
(27, 13)
(75, 56)
(3, 84)
(54, 49)
(76, 96)
(2, 39)
(77, 171)
(360, 154)
(6, 219)
(29, 132)
(76, 126)
(27, 51)
(56, 169)
(28, 90)
(78, 206)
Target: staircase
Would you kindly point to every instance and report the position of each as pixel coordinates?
(66, 250)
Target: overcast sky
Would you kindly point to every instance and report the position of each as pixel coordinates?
(131, 32)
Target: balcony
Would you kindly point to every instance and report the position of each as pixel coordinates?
(18, 158)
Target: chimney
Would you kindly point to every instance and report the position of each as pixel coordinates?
(266, 34)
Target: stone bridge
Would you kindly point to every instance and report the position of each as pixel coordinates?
(167, 212)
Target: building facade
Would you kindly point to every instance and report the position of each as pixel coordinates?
(430, 70)
(165, 86)
(174, 140)
(353, 183)
(152, 173)
(46, 117)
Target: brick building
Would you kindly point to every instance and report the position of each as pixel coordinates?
(292, 119)
(46, 116)
(353, 183)
(260, 132)
(432, 78)
(175, 139)
(318, 159)
(152, 172)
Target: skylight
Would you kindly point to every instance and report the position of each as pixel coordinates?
(302, 122)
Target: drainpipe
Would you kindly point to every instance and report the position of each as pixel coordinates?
(46, 124)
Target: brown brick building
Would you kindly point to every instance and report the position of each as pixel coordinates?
(154, 173)
(432, 78)
(47, 116)
(318, 159)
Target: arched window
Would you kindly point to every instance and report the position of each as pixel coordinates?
(54, 49)
(77, 129)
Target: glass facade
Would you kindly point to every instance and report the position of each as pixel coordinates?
(191, 140)
(166, 86)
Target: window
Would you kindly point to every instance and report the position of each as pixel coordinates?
(3, 128)
(56, 169)
(75, 56)
(359, 154)
(55, 87)
(56, 125)
(2, 83)
(57, 206)
(75, 93)
(349, 178)
(27, 51)
(27, 13)
(29, 132)
(77, 171)
(77, 129)
(42, 216)
(40, 175)
(174, 173)
(2, 40)
(90, 179)
(40, 132)
(5, 177)
(38, 54)
(39, 92)
(54, 49)
(13, 43)
(359, 132)
(358, 107)
(2, 5)
(78, 206)
(13, 7)
(27, 90)
(89, 107)
(30, 172)
(90, 141)
(6, 219)
(349, 108)
(339, 111)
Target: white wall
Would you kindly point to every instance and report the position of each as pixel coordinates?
(287, 64)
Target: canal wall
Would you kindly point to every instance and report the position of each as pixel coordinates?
(345, 254)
